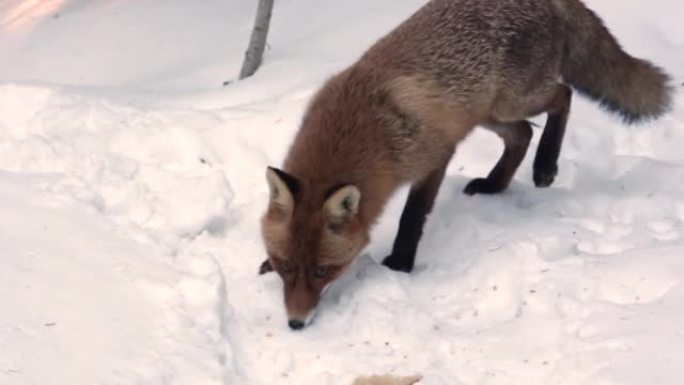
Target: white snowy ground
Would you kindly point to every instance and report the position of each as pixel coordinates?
(131, 184)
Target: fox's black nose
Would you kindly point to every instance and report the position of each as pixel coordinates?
(296, 324)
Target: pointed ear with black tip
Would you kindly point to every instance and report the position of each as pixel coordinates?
(265, 267)
(342, 204)
(282, 188)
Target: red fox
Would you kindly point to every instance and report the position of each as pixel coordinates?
(396, 115)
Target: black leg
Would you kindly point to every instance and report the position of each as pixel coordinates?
(516, 137)
(418, 205)
(546, 160)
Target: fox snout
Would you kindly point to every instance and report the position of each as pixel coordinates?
(298, 323)
(302, 293)
(301, 300)
(301, 313)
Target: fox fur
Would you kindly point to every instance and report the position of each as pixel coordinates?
(396, 115)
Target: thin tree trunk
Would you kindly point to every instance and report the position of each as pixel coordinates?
(257, 42)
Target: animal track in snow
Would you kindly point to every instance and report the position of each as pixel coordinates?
(664, 230)
(635, 283)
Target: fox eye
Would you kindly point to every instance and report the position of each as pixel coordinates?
(321, 271)
(287, 267)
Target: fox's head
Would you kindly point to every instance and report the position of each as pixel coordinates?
(312, 234)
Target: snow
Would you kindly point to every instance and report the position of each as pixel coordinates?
(132, 183)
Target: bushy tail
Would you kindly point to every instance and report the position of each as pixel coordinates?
(596, 65)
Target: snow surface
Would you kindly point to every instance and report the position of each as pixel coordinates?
(131, 185)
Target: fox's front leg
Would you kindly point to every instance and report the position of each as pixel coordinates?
(418, 205)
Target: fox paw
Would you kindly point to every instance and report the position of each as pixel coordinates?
(544, 177)
(398, 264)
(482, 186)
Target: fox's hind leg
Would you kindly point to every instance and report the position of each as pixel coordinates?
(516, 137)
(546, 160)
(418, 205)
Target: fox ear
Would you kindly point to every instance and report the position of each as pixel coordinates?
(282, 187)
(342, 204)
